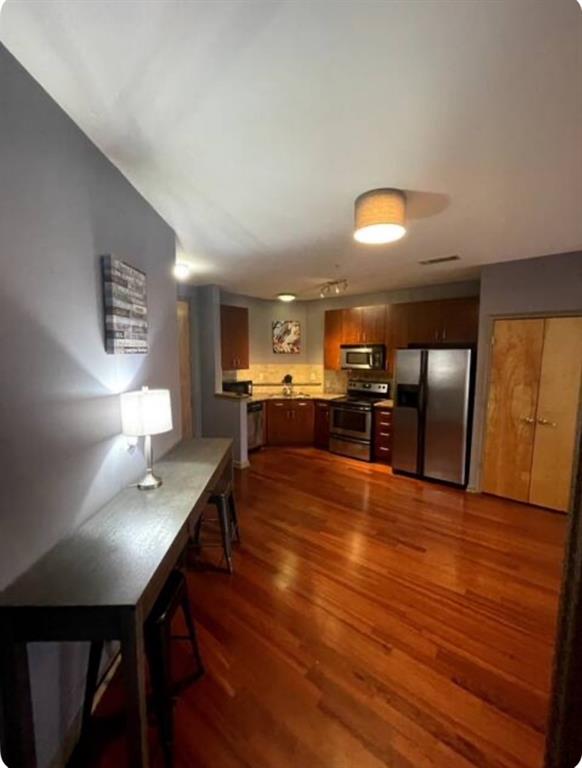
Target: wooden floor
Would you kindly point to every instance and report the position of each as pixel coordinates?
(372, 621)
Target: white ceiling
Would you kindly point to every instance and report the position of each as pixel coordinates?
(252, 126)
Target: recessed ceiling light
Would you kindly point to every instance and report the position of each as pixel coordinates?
(287, 297)
(182, 270)
(379, 216)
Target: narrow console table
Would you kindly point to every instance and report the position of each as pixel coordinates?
(99, 583)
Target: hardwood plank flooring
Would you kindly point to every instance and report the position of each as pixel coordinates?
(371, 621)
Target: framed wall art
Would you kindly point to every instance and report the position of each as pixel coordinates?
(125, 308)
(286, 337)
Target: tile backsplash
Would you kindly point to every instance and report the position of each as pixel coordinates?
(337, 381)
(268, 377)
(308, 378)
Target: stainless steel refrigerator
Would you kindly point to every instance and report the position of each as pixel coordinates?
(432, 412)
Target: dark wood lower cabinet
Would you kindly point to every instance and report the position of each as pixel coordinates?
(307, 422)
(383, 435)
(290, 422)
(321, 438)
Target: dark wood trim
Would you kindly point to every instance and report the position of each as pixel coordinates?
(564, 741)
(18, 743)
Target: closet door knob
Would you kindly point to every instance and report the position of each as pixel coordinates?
(547, 423)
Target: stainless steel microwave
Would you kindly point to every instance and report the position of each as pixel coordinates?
(370, 357)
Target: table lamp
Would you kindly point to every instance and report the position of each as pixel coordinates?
(144, 413)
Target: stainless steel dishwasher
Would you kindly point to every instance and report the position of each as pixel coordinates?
(256, 425)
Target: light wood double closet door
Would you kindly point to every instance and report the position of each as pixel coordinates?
(532, 411)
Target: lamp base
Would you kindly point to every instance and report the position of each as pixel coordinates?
(149, 481)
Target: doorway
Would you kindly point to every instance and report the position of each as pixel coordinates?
(185, 364)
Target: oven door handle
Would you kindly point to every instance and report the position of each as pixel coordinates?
(352, 408)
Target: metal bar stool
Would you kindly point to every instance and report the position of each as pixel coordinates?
(223, 499)
(158, 637)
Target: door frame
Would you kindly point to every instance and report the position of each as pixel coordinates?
(563, 733)
(184, 420)
(563, 747)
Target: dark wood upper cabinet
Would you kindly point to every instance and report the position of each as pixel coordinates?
(332, 339)
(454, 321)
(352, 325)
(396, 331)
(461, 320)
(234, 335)
(364, 325)
(424, 322)
(373, 324)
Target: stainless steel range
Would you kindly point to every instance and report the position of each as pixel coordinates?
(352, 418)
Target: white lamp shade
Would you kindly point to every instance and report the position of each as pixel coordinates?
(380, 216)
(146, 412)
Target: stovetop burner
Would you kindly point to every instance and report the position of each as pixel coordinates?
(365, 393)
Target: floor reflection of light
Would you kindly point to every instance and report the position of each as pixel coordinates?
(356, 543)
(287, 572)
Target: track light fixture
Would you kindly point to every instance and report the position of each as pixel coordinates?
(333, 288)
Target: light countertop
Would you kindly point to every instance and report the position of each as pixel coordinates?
(296, 396)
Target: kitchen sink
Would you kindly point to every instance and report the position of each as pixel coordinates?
(298, 396)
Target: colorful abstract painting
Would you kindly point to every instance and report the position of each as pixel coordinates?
(286, 337)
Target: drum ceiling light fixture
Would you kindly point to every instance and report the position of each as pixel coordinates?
(380, 216)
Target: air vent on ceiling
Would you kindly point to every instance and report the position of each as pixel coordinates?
(439, 260)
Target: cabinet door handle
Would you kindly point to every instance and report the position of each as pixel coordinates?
(527, 420)
(444, 334)
(302, 405)
(278, 405)
(384, 434)
(547, 423)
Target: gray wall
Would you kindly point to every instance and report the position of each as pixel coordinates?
(547, 285)
(262, 313)
(61, 455)
(214, 416)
